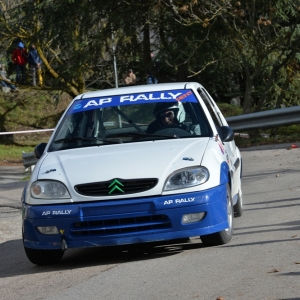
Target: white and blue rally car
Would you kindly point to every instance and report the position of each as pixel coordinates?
(133, 165)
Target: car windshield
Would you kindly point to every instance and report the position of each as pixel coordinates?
(131, 118)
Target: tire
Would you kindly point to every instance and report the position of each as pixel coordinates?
(44, 257)
(238, 207)
(224, 236)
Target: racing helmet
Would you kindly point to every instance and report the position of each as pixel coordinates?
(176, 107)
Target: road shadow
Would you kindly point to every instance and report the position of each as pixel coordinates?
(271, 204)
(272, 207)
(270, 147)
(290, 274)
(13, 185)
(272, 201)
(295, 226)
(287, 226)
(14, 262)
(260, 176)
(259, 243)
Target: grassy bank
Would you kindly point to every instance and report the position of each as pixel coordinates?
(12, 154)
(27, 110)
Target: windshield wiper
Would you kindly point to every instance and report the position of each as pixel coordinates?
(78, 138)
(138, 134)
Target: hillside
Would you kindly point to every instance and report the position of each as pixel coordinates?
(30, 110)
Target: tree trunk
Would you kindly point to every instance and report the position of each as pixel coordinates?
(5, 138)
(182, 72)
(247, 96)
(146, 45)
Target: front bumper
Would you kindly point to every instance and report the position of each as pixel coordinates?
(130, 221)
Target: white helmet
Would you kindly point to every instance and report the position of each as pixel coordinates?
(176, 107)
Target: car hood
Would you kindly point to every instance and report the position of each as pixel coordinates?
(155, 159)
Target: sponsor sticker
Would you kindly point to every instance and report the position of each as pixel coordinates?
(56, 212)
(179, 201)
(221, 147)
(127, 99)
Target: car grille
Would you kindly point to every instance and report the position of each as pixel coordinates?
(121, 226)
(130, 186)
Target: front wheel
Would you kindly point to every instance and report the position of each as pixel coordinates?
(44, 257)
(224, 236)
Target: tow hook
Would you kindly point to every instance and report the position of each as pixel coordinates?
(64, 245)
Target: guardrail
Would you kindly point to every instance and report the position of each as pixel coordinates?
(265, 119)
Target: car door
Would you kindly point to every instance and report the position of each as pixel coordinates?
(232, 152)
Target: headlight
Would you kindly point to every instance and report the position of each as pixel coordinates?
(49, 190)
(185, 178)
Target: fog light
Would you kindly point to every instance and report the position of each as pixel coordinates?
(47, 230)
(192, 218)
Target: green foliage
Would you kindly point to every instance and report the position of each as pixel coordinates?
(229, 110)
(13, 153)
(262, 39)
(293, 130)
(28, 111)
(242, 142)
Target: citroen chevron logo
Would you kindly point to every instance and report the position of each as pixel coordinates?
(115, 186)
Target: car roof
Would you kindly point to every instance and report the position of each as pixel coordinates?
(138, 89)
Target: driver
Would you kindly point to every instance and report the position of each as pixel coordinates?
(167, 114)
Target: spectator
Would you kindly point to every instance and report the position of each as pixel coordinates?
(19, 57)
(130, 78)
(35, 63)
(3, 74)
(150, 78)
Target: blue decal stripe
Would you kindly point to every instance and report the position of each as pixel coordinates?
(127, 99)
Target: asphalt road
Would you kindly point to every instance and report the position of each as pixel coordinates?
(12, 182)
(261, 262)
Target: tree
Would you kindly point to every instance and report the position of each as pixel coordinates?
(261, 38)
(68, 35)
(236, 48)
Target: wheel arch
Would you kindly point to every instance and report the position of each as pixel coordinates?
(225, 176)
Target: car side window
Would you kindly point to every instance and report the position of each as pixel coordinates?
(205, 97)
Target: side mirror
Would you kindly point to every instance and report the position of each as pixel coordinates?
(226, 133)
(39, 150)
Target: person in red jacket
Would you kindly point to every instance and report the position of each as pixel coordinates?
(19, 57)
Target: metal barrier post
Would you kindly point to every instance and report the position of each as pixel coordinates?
(29, 160)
